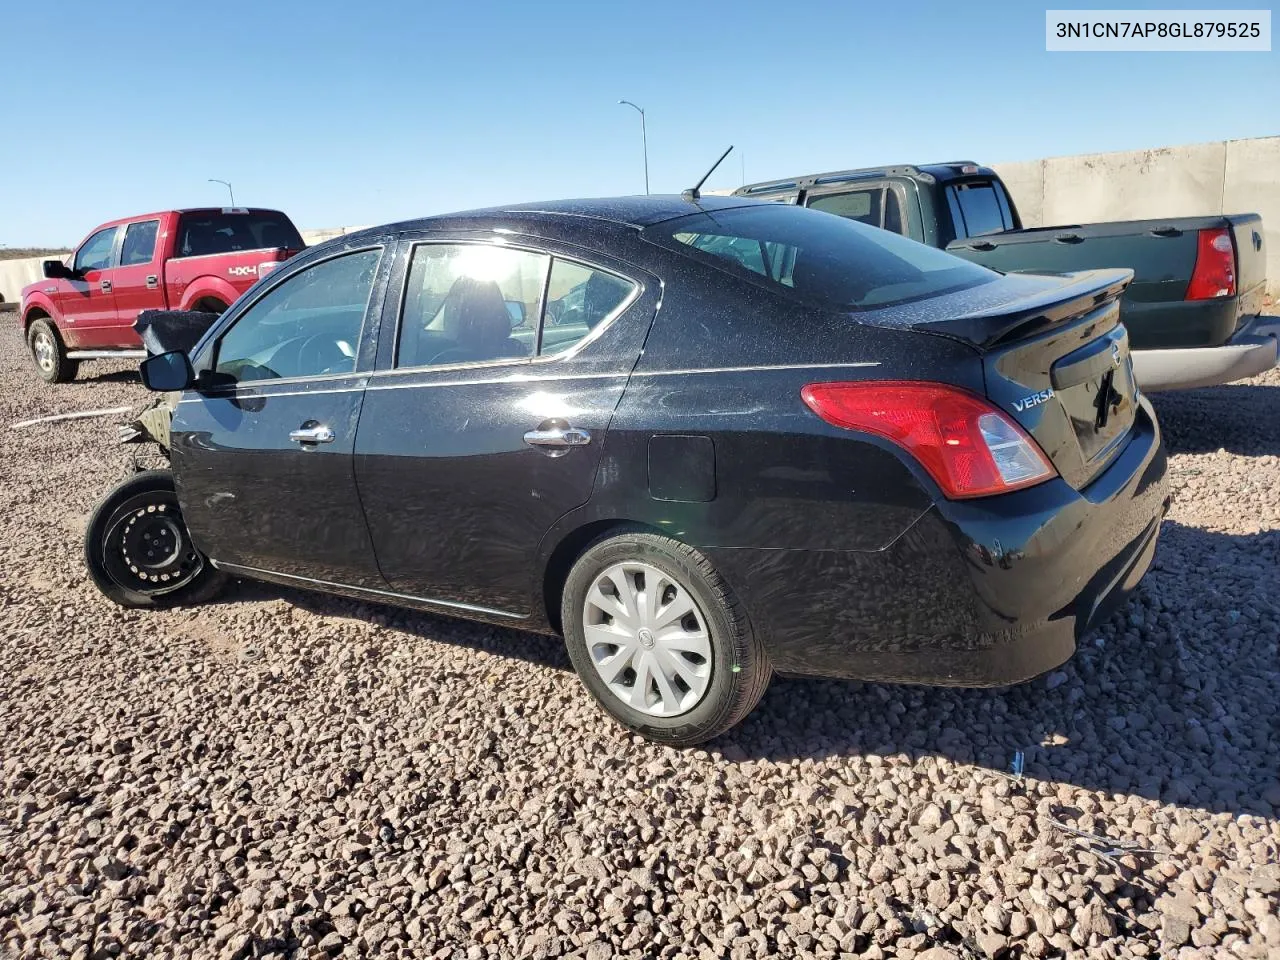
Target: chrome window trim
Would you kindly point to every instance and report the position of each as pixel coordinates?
(374, 385)
(637, 291)
(374, 377)
(450, 604)
(234, 393)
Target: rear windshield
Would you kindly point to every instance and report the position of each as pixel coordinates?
(819, 256)
(213, 231)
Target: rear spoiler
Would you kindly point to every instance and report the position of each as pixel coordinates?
(166, 331)
(1037, 313)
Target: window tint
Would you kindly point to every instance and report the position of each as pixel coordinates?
(96, 252)
(834, 261)
(893, 219)
(578, 299)
(862, 205)
(139, 243)
(212, 231)
(308, 326)
(977, 210)
(466, 303)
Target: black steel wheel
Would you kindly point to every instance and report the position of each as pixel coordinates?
(138, 550)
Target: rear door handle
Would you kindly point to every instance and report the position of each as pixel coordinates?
(555, 438)
(1069, 238)
(1165, 232)
(983, 245)
(319, 433)
(152, 282)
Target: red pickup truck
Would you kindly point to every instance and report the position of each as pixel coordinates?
(177, 260)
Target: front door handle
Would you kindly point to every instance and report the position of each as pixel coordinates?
(152, 281)
(319, 433)
(106, 286)
(555, 438)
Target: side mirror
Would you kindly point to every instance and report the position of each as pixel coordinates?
(57, 270)
(516, 309)
(167, 372)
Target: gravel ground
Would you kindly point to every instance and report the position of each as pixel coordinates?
(285, 775)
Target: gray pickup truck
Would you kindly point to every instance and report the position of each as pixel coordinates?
(1193, 311)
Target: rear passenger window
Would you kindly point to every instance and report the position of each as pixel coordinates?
(579, 299)
(977, 210)
(139, 243)
(877, 207)
(468, 303)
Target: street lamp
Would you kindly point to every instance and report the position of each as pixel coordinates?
(644, 140)
(229, 190)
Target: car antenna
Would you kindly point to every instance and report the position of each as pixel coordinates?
(692, 193)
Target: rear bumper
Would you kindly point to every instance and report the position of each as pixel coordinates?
(976, 593)
(1253, 350)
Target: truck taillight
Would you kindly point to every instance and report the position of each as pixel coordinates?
(970, 448)
(1215, 272)
(267, 266)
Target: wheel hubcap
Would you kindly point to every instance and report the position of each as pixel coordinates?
(44, 350)
(647, 639)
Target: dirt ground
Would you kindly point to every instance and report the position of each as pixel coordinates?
(284, 775)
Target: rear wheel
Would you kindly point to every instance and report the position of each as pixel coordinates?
(659, 639)
(139, 552)
(48, 353)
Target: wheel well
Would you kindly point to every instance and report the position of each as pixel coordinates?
(568, 551)
(209, 305)
(32, 315)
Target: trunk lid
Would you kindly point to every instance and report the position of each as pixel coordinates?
(1055, 358)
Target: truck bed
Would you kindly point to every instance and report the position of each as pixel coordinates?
(1162, 254)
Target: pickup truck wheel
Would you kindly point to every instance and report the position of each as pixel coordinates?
(138, 550)
(658, 638)
(49, 354)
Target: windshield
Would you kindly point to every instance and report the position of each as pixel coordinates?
(214, 231)
(819, 256)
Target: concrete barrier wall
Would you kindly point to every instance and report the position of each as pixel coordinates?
(1233, 176)
(16, 274)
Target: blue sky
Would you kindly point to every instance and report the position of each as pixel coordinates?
(353, 113)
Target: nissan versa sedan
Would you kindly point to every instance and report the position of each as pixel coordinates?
(705, 440)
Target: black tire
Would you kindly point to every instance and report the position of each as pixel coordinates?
(49, 354)
(146, 506)
(740, 670)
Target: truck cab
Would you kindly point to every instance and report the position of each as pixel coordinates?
(197, 259)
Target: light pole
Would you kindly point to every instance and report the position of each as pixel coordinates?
(644, 140)
(229, 190)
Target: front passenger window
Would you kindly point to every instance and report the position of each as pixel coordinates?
(95, 253)
(307, 326)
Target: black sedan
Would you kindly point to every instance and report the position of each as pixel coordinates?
(705, 440)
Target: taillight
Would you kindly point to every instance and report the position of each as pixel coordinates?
(267, 266)
(969, 448)
(1215, 272)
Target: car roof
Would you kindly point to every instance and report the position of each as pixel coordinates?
(629, 212)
